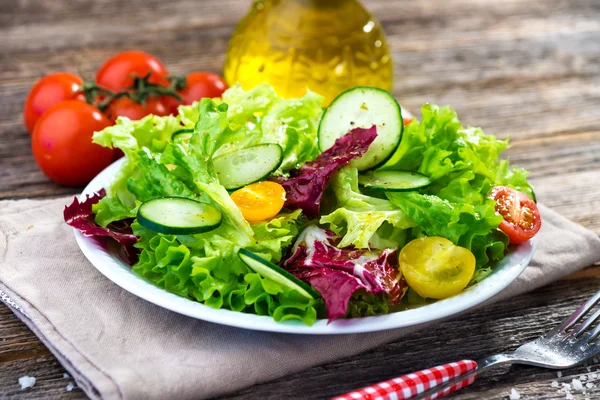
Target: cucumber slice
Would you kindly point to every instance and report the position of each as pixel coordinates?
(363, 107)
(252, 164)
(178, 216)
(183, 134)
(393, 181)
(267, 269)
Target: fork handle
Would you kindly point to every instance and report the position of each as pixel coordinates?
(412, 385)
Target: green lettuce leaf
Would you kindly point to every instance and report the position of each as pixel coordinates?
(464, 166)
(358, 217)
(206, 267)
(273, 237)
(258, 116)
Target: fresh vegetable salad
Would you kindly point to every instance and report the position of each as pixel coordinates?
(272, 206)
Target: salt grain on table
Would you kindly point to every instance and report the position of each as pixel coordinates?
(577, 385)
(69, 387)
(26, 382)
(514, 394)
(554, 384)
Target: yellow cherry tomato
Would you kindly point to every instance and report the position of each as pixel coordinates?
(259, 201)
(435, 267)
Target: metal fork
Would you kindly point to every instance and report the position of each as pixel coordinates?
(569, 344)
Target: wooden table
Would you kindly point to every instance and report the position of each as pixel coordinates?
(528, 69)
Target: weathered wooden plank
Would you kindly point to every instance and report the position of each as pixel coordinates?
(51, 383)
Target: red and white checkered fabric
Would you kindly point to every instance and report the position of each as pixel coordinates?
(411, 385)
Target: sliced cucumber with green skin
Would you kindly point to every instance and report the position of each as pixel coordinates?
(178, 216)
(182, 134)
(245, 166)
(393, 181)
(267, 269)
(363, 107)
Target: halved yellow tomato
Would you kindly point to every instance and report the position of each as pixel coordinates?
(435, 267)
(259, 201)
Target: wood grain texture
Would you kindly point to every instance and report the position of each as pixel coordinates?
(528, 69)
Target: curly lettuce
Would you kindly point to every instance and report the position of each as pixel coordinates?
(364, 221)
(259, 116)
(464, 166)
(206, 267)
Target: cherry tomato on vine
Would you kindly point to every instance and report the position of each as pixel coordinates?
(62, 143)
(171, 103)
(117, 72)
(522, 218)
(200, 85)
(125, 107)
(48, 91)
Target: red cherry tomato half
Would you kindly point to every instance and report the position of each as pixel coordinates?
(62, 143)
(125, 107)
(201, 85)
(48, 91)
(117, 72)
(522, 218)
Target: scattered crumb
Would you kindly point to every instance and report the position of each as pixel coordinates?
(559, 374)
(70, 387)
(514, 394)
(554, 384)
(66, 376)
(26, 382)
(29, 227)
(577, 385)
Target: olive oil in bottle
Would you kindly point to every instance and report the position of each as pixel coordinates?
(326, 46)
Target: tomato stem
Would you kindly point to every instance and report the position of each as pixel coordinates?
(142, 89)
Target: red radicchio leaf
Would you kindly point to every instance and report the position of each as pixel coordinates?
(79, 215)
(306, 186)
(337, 273)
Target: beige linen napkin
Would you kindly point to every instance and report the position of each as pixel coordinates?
(119, 346)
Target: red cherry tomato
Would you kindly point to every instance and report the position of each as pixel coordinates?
(48, 91)
(200, 85)
(522, 218)
(117, 72)
(62, 143)
(125, 107)
(171, 103)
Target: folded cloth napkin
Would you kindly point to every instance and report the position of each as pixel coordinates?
(117, 345)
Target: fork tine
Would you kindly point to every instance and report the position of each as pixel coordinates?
(587, 323)
(576, 316)
(594, 333)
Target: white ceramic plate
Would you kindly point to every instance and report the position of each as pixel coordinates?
(120, 273)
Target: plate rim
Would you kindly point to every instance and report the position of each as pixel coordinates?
(116, 271)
